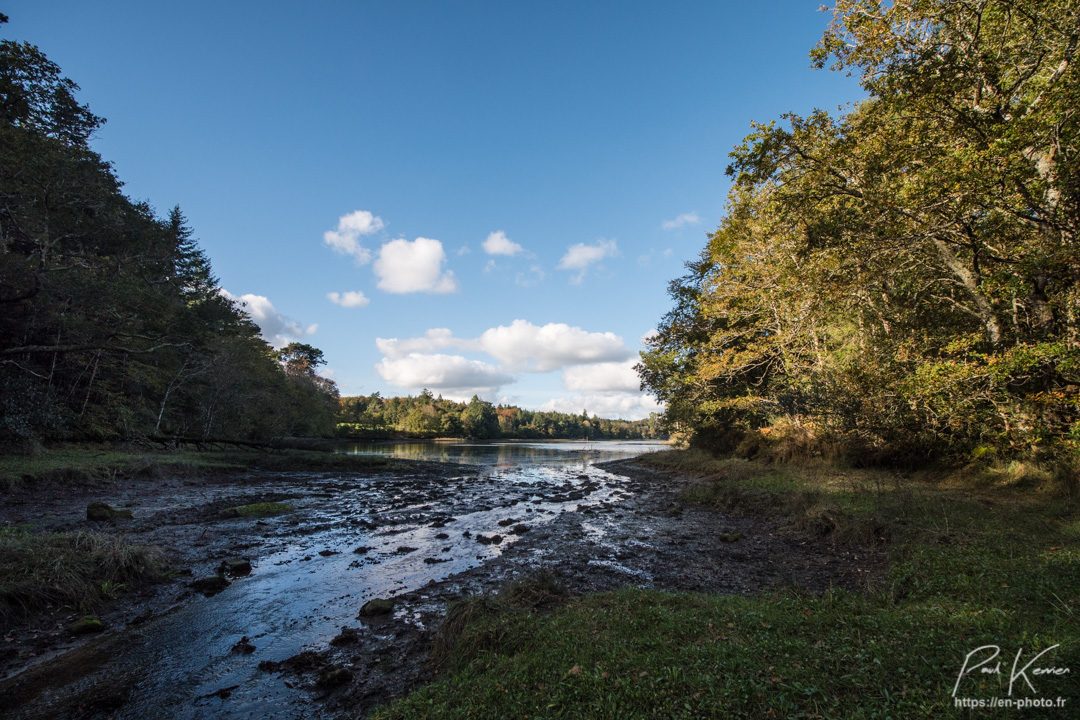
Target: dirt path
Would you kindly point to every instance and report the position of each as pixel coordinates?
(617, 524)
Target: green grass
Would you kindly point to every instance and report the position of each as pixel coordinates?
(973, 561)
(93, 464)
(75, 570)
(258, 510)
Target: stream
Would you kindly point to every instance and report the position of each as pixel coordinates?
(349, 539)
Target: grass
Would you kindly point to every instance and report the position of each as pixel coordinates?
(258, 510)
(76, 570)
(86, 464)
(975, 560)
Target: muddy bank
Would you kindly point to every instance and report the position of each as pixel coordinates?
(288, 638)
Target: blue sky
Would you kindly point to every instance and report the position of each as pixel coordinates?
(473, 197)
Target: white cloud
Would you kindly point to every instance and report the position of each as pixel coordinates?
(581, 257)
(433, 340)
(530, 278)
(524, 346)
(498, 244)
(648, 335)
(606, 405)
(452, 376)
(520, 346)
(602, 377)
(352, 298)
(275, 328)
(407, 267)
(346, 239)
(690, 218)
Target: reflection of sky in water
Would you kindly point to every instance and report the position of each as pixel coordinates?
(508, 454)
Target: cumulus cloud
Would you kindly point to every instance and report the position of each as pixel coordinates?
(346, 238)
(524, 346)
(606, 405)
(602, 377)
(433, 340)
(416, 266)
(520, 346)
(275, 328)
(498, 244)
(452, 376)
(352, 298)
(581, 257)
(690, 218)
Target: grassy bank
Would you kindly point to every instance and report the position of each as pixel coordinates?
(74, 464)
(40, 571)
(984, 557)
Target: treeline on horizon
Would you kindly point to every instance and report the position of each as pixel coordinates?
(112, 324)
(900, 281)
(427, 416)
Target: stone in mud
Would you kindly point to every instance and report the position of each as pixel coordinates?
(376, 607)
(466, 534)
(489, 539)
(210, 586)
(520, 529)
(403, 549)
(101, 511)
(507, 521)
(235, 567)
(257, 510)
(347, 636)
(328, 553)
(86, 625)
(244, 646)
(441, 536)
(433, 561)
(333, 677)
(362, 550)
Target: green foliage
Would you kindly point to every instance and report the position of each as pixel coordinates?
(428, 416)
(905, 275)
(113, 325)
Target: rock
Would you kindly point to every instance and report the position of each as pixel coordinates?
(257, 510)
(489, 539)
(85, 625)
(403, 549)
(520, 529)
(507, 521)
(210, 586)
(244, 646)
(376, 607)
(433, 561)
(235, 567)
(328, 553)
(466, 534)
(348, 636)
(333, 677)
(101, 511)
(362, 550)
(441, 536)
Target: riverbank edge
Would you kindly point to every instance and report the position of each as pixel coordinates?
(975, 561)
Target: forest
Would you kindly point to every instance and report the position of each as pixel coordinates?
(112, 323)
(898, 281)
(429, 416)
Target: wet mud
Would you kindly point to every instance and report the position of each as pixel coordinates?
(292, 630)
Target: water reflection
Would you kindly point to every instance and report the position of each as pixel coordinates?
(506, 454)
